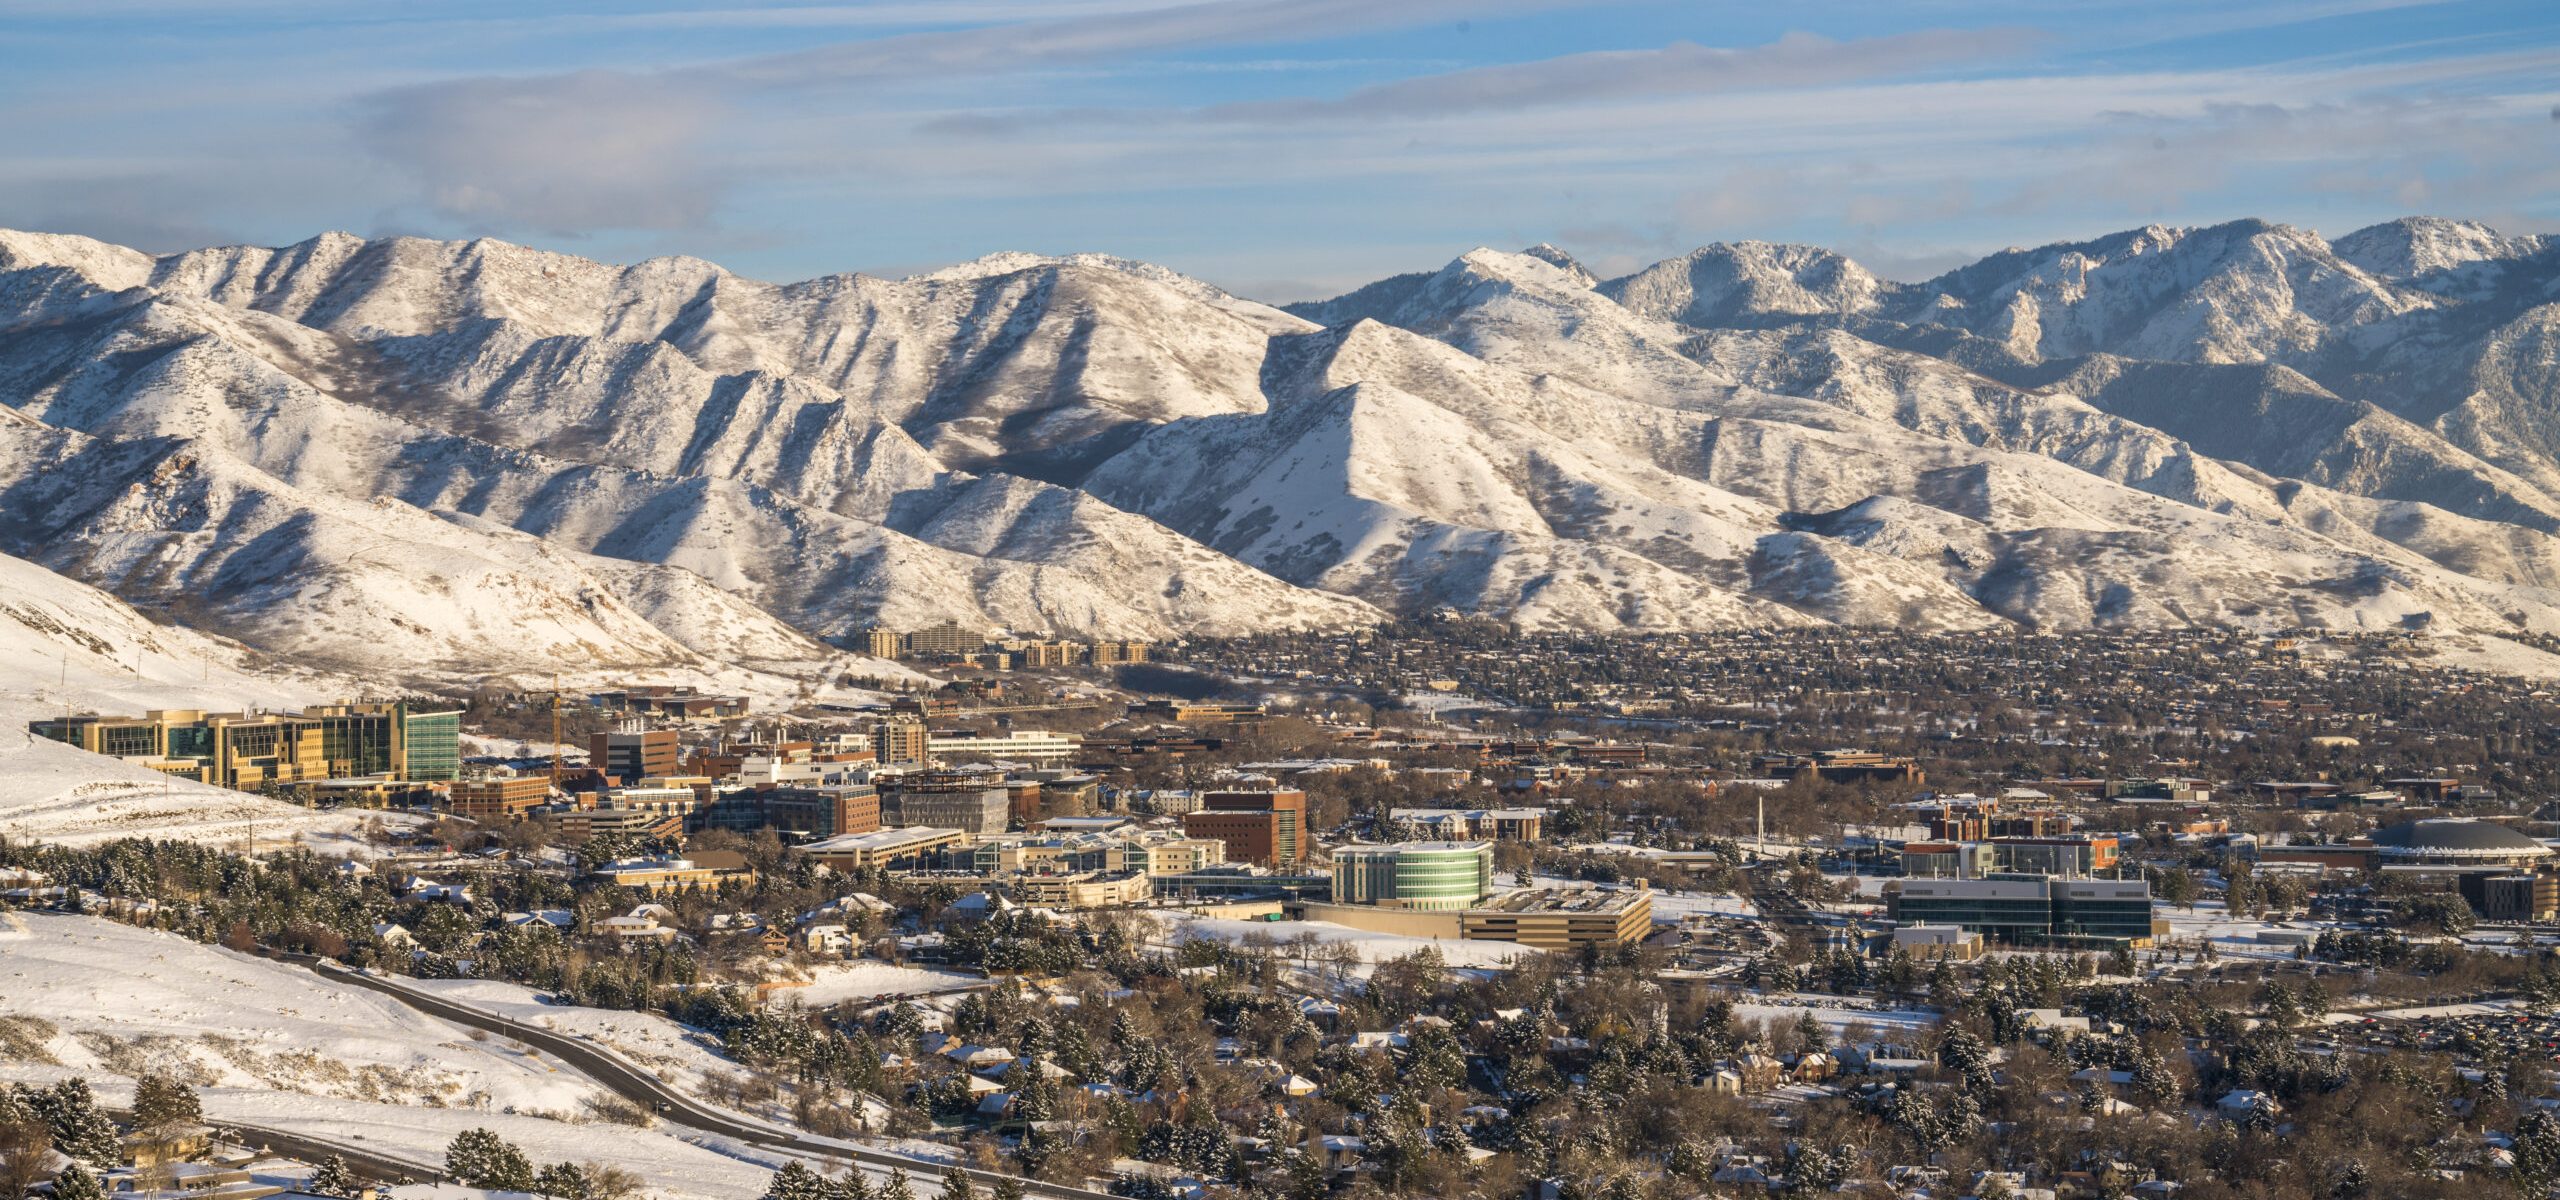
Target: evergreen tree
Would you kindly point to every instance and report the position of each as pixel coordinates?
(796, 1181)
(2537, 1151)
(956, 1185)
(1007, 1188)
(479, 1158)
(332, 1179)
(160, 1101)
(897, 1188)
(564, 1180)
(79, 1129)
(76, 1183)
(849, 1186)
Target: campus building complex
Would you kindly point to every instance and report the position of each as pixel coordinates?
(267, 752)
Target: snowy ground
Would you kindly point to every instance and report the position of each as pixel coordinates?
(54, 793)
(96, 996)
(2232, 936)
(481, 745)
(281, 1047)
(1835, 1014)
(869, 979)
(674, 1053)
(1374, 947)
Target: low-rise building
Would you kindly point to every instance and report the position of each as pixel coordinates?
(1927, 942)
(884, 847)
(1474, 824)
(498, 797)
(1563, 918)
(1082, 889)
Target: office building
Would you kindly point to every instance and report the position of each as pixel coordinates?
(2056, 855)
(499, 797)
(821, 812)
(1429, 876)
(1946, 860)
(2510, 897)
(578, 826)
(2029, 909)
(635, 754)
(1035, 746)
(1266, 828)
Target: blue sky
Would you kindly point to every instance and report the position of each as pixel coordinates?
(1280, 148)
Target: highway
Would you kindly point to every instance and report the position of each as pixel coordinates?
(644, 1089)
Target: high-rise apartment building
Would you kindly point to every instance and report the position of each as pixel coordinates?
(901, 741)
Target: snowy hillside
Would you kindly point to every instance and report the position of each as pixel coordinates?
(450, 460)
(280, 1046)
(66, 647)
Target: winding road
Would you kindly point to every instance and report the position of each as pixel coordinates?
(646, 1090)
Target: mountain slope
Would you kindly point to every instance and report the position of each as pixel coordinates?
(453, 458)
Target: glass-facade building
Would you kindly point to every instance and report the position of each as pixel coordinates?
(430, 746)
(2028, 909)
(1430, 876)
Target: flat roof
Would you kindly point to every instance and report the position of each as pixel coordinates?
(879, 839)
(1565, 900)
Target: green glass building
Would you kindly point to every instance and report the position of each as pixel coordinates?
(430, 746)
(1429, 876)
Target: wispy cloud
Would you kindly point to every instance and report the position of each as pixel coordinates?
(628, 149)
(1797, 60)
(564, 155)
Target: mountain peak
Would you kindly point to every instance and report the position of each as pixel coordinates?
(1548, 253)
(2409, 248)
(1748, 282)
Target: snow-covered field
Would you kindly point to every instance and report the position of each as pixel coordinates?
(868, 979)
(281, 1047)
(1374, 948)
(92, 995)
(2232, 936)
(1835, 1019)
(675, 1054)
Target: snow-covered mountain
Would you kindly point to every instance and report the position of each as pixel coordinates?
(457, 458)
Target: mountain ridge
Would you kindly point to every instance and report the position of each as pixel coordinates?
(666, 464)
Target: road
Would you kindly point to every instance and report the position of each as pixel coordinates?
(654, 1096)
(372, 1164)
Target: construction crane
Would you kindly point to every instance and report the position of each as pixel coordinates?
(555, 733)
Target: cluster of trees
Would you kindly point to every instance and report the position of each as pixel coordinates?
(482, 1159)
(65, 1119)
